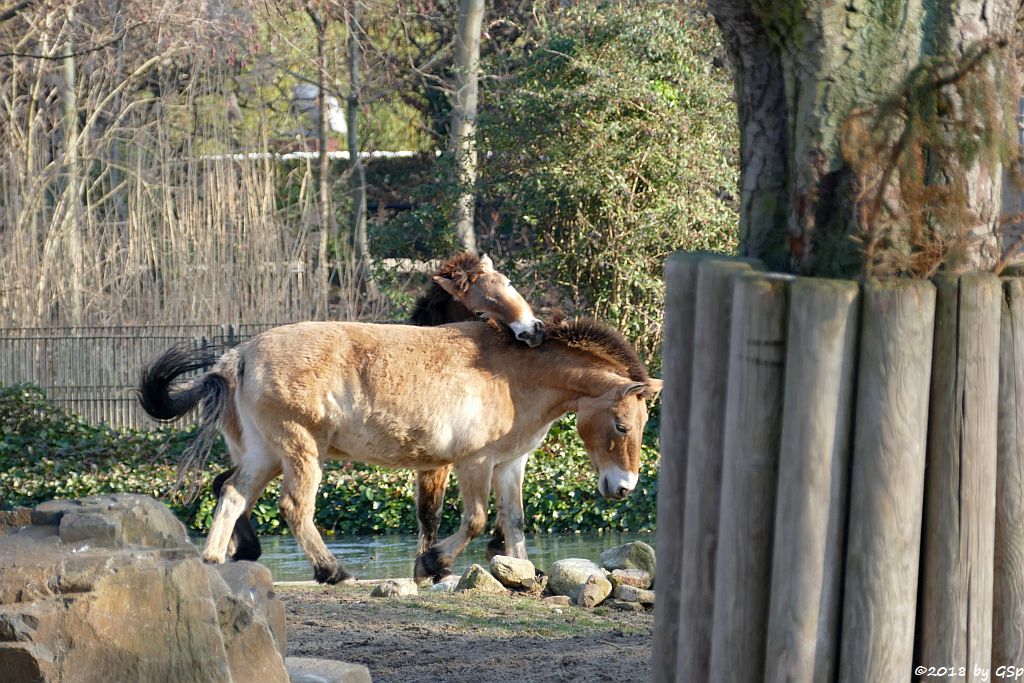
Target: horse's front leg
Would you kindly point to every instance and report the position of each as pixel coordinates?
(475, 486)
(511, 522)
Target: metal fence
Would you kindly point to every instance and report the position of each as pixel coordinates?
(93, 371)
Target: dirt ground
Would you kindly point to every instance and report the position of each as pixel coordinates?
(456, 637)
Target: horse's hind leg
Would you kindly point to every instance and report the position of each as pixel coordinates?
(430, 487)
(508, 494)
(238, 493)
(244, 544)
(475, 484)
(302, 475)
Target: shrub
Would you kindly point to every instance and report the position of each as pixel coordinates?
(612, 137)
(46, 453)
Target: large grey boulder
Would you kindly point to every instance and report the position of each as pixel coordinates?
(109, 588)
(513, 572)
(582, 580)
(635, 555)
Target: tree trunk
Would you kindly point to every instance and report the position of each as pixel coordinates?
(801, 69)
(463, 130)
(360, 239)
(72, 169)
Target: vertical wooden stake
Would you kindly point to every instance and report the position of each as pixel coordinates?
(887, 482)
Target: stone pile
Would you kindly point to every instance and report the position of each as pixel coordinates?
(623, 579)
(109, 588)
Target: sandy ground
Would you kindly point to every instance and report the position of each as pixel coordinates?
(464, 637)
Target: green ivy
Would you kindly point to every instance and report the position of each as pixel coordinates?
(46, 453)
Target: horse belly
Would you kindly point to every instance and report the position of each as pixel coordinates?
(395, 439)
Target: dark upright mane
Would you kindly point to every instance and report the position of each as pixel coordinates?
(589, 336)
(436, 306)
(599, 339)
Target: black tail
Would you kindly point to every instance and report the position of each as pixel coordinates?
(164, 400)
(155, 392)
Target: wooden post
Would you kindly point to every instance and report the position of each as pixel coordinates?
(887, 482)
(810, 518)
(680, 309)
(704, 465)
(757, 347)
(959, 523)
(1008, 591)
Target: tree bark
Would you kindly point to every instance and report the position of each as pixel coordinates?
(360, 239)
(463, 129)
(801, 68)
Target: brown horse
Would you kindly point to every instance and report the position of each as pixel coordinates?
(464, 287)
(464, 395)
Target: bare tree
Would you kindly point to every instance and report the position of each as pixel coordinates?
(463, 127)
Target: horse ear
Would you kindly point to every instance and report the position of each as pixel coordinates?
(447, 285)
(649, 389)
(486, 264)
(653, 388)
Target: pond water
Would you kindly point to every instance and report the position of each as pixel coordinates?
(392, 556)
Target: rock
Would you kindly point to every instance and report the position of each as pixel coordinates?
(445, 585)
(593, 592)
(615, 603)
(630, 577)
(477, 578)
(513, 572)
(117, 576)
(310, 670)
(394, 588)
(255, 646)
(567, 576)
(633, 594)
(635, 555)
(557, 601)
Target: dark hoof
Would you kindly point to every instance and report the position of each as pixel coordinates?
(332, 575)
(247, 543)
(429, 564)
(442, 575)
(496, 546)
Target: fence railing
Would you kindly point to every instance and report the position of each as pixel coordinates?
(93, 371)
(841, 484)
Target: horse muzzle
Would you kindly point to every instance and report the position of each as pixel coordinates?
(617, 484)
(531, 334)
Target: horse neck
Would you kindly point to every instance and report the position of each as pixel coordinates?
(570, 375)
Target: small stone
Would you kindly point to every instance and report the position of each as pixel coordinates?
(394, 588)
(615, 603)
(593, 592)
(633, 594)
(310, 670)
(557, 601)
(635, 555)
(558, 610)
(630, 577)
(513, 572)
(479, 579)
(445, 585)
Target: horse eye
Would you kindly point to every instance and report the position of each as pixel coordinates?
(621, 428)
(481, 314)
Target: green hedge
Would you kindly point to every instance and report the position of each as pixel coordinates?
(46, 453)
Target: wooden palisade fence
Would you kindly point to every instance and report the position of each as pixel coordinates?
(841, 495)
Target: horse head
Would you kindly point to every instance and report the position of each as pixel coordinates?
(612, 427)
(488, 294)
